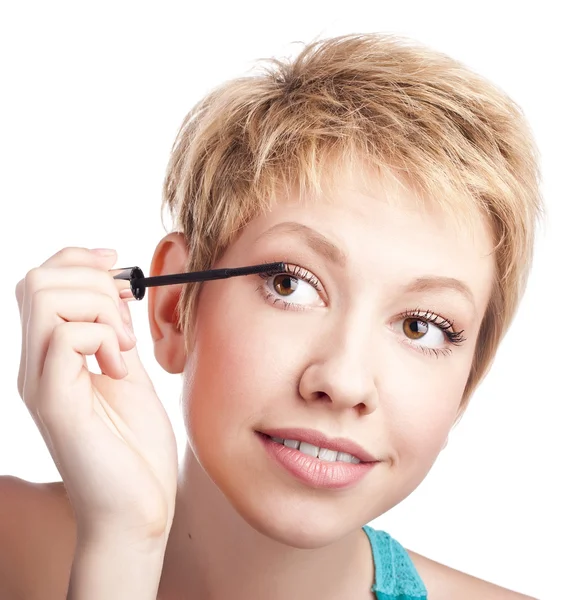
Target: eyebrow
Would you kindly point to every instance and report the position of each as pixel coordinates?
(315, 240)
(323, 246)
(430, 283)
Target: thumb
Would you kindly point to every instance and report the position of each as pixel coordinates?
(136, 370)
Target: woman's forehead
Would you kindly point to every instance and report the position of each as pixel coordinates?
(376, 200)
(336, 185)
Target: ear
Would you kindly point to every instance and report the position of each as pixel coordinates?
(170, 257)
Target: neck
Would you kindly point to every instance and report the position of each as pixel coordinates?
(212, 552)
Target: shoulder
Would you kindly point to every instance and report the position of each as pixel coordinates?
(445, 583)
(37, 539)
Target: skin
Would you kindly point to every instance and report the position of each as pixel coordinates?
(244, 527)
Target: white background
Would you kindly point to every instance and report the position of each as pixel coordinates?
(93, 95)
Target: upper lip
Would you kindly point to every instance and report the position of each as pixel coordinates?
(320, 440)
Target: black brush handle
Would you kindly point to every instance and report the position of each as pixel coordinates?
(138, 282)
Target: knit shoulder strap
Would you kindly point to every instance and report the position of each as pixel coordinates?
(395, 575)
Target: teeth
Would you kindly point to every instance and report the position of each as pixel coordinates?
(345, 457)
(330, 455)
(291, 444)
(321, 453)
(309, 449)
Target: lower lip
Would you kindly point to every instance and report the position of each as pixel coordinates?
(313, 471)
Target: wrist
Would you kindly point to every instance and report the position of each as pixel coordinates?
(116, 568)
(144, 541)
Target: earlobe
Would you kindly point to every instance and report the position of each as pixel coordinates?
(170, 257)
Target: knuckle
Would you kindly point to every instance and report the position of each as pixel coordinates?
(62, 333)
(108, 337)
(33, 279)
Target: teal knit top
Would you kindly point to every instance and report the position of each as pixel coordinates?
(395, 575)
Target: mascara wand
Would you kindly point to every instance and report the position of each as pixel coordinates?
(139, 283)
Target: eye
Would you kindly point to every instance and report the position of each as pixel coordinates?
(296, 288)
(436, 333)
(416, 329)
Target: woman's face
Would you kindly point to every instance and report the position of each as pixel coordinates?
(360, 340)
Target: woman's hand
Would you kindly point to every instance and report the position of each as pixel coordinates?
(108, 434)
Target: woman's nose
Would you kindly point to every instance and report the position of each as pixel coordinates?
(341, 369)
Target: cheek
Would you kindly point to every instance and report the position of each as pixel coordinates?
(247, 344)
(420, 400)
(422, 418)
(234, 366)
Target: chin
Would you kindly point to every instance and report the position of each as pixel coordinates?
(296, 517)
(272, 504)
(296, 527)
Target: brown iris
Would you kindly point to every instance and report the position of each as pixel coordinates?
(415, 328)
(284, 284)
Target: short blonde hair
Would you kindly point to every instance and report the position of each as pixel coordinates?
(364, 99)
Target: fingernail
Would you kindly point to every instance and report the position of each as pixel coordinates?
(103, 251)
(126, 294)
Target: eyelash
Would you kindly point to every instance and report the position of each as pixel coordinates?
(454, 338)
(297, 272)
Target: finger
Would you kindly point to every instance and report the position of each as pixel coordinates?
(66, 256)
(77, 255)
(66, 386)
(52, 277)
(71, 256)
(69, 276)
(136, 370)
(52, 306)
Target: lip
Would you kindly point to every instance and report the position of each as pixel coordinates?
(314, 472)
(311, 436)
